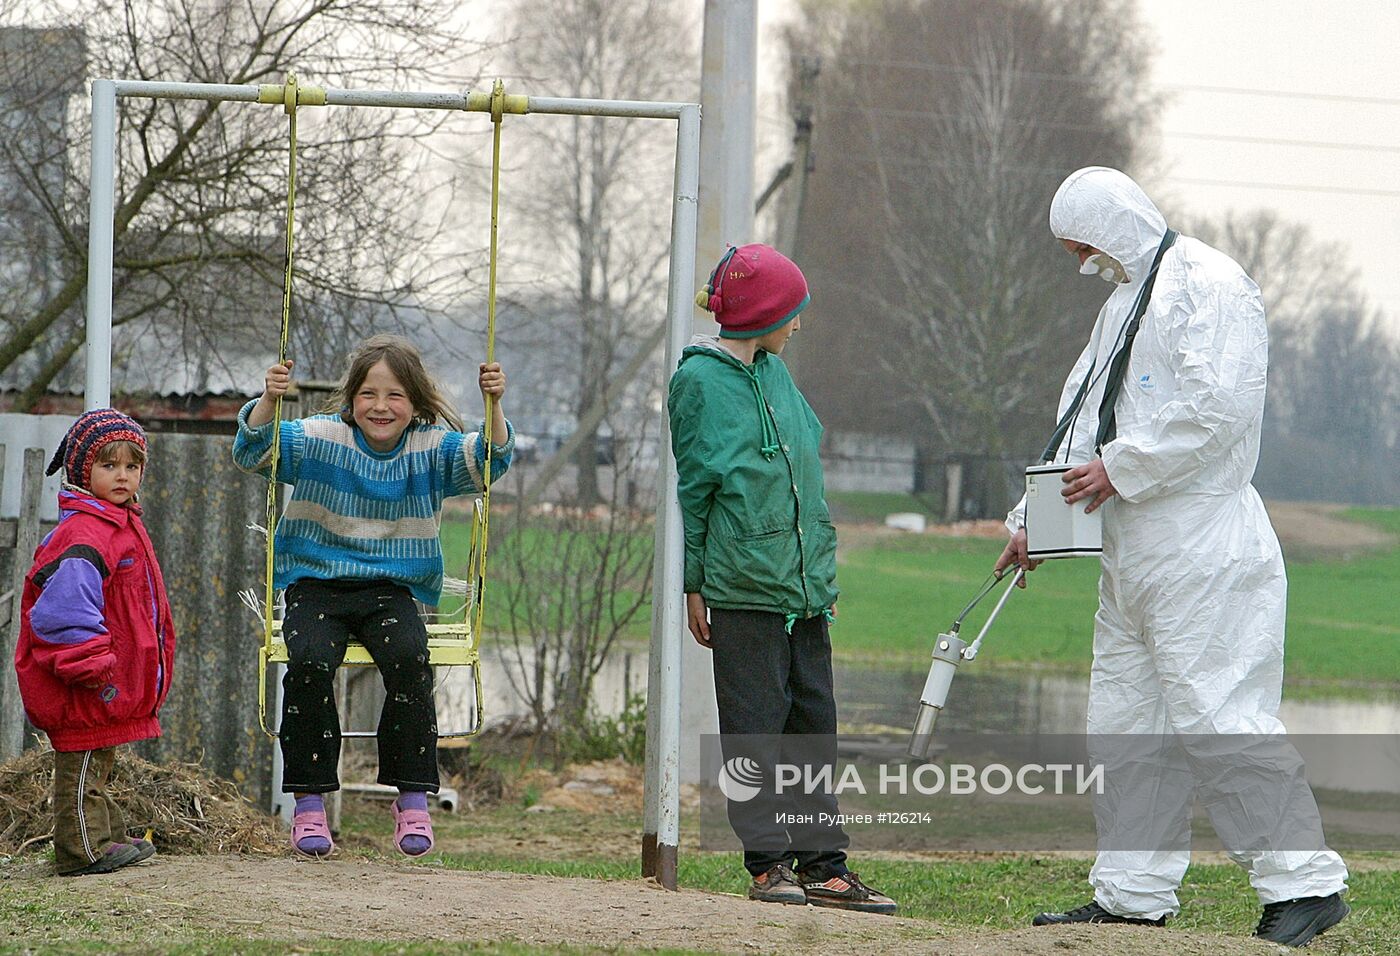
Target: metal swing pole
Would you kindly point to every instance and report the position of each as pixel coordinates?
(661, 810)
(97, 391)
(101, 201)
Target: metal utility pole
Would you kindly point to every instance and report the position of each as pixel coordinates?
(728, 98)
(728, 91)
(804, 100)
(728, 103)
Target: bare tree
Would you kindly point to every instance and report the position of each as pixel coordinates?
(1331, 430)
(567, 581)
(943, 131)
(594, 200)
(201, 187)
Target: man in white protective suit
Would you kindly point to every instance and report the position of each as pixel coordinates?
(1188, 638)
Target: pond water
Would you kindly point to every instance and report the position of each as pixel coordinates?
(883, 700)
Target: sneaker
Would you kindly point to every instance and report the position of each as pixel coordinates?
(845, 891)
(777, 885)
(413, 831)
(1296, 922)
(145, 849)
(1093, 913)
(116, 856)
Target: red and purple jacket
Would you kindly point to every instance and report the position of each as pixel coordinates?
(96, 643)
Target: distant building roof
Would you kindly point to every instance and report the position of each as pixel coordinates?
(215, 412)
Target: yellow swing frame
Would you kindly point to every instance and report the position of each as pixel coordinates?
(450, 644)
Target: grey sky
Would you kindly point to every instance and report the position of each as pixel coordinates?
(1339, 59)
(1325, 74)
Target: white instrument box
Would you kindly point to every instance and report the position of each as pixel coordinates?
(1053, 528)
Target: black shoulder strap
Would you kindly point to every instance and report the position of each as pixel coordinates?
(1108, 414)
(1053, 448)
(1116, 370)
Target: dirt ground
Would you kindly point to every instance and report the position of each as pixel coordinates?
(1316, 531)
(182, 899)
(176, 900)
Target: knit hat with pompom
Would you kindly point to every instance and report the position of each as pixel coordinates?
(754, 290)
(78, 450)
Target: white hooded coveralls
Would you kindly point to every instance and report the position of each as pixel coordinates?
(1188, 638)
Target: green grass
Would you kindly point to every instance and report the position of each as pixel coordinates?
(456, 546)
(900, 592)
(1000, 892)
(897, 594)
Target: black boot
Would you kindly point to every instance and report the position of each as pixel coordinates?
(1296, 922)
(1093, 913)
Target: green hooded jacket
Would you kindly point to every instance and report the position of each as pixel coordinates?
(758, 535)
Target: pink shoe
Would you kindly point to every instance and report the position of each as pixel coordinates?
(311, 835)
(412, 823)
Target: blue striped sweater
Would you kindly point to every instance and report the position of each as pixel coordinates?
(359, 514)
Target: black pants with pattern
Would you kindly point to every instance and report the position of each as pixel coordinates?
(776, 704)
(321, 618)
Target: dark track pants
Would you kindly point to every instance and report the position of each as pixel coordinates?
(775, 684)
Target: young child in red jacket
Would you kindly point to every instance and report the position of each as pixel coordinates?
(96, 642)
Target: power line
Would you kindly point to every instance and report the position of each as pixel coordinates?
(1286, 94)
(1291, 187)
(1272, 141)
(951, 68)
(1185, 87)
(902, 163)
(970, 119)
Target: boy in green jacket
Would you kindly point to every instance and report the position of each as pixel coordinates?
(760, 567)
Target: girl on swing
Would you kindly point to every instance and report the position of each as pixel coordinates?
(356, 545)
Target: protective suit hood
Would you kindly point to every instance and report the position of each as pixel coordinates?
(1106, 209)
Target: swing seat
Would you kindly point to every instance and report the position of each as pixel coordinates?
(449, 645)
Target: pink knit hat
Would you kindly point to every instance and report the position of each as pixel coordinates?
(754, 290)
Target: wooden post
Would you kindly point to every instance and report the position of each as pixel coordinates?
(952, 509)
(6, 612)
(26, 540)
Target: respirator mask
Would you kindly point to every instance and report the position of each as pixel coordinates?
(1104, 266)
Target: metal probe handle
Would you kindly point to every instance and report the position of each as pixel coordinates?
(971, 651)
(948, 651)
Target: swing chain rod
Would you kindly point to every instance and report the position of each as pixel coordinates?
(462, 102)
(498, 109)
(289, 94)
